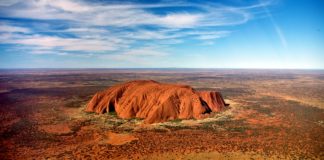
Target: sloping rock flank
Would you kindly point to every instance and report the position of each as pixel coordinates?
(156, 102)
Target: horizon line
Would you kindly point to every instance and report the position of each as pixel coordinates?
(79, 68)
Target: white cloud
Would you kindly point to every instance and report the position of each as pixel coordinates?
(45, 51)
(143, 55)
(212, 35)
(180, 20)
(85, 30)
(10, 29)
(145, 51)
(65, 44)
(174, 35)
(8, 2)
(69, 6)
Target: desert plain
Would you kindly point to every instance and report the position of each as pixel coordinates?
(272, 114)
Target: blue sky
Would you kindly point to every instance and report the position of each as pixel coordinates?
(158, 34)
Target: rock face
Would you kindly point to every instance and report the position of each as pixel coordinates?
(156, 102)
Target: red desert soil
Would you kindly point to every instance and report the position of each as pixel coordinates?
(156, 102)
(120, 139)
(56, 129)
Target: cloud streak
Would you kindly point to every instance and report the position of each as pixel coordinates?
(4, 28)
(278, 30)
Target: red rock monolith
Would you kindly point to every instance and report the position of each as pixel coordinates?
(155, 102)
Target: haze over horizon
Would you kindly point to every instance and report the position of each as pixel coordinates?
(162, 34)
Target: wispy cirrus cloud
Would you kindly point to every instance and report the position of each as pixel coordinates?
(4, 28)
(65, 44)
(118, 30)
(143, 55)
(101, 14)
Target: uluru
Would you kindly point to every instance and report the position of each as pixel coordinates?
(156, 102)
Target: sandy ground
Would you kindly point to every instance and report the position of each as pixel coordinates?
(271, 116)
